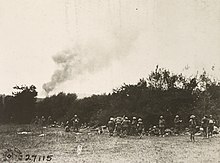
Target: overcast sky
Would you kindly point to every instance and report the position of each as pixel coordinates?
(118, 41)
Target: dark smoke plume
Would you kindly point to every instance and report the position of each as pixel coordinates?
(90, 57)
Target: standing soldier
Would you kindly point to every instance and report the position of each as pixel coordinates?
(192, 127)
(49, 120)
(43, 121)
(75, 122)
(162, 125)
(140, 127)
(177, 124)
(125, 126)
(118, 126)
(111, 126)
(205, 125)
(133, 130)
(211, 124)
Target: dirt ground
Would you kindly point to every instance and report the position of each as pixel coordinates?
(38, 143)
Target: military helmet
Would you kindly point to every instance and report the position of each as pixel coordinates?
(134, 118)
(139, 119)
(192, 116)
(111, 119)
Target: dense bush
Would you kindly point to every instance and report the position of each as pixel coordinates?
(161, 93)
(20, 107)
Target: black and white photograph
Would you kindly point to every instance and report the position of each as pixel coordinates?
(110, 81)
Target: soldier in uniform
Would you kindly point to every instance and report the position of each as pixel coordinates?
(49, 120)
(125, 126)
(140, 127)
(111, 126)
(161, 125)
(192, 127)
(133, 130)
(177, 124)
(205, 125)
(211, 124)
(43, 121)
(154, 131)
(118, 126)
(67, 126)
(36, 120)
(75, 122)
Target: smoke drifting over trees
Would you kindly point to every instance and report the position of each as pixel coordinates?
(65, 60)
(162, 92)
(91, 56)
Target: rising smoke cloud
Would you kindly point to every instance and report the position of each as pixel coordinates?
(90, 57)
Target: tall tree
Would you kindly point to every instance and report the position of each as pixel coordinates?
(24, 98)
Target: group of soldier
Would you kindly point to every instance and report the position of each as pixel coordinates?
(207, 126)
(43, 121)
(135, 126)
(72, 123)
(124, 126)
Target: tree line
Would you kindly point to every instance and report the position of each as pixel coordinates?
(161, 93)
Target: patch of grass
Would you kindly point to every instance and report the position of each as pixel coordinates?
(102, 148)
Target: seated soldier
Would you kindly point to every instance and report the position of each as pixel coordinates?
(155, 131)
(36, 120)
(67, 128)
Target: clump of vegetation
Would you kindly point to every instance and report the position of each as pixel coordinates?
(161, 93)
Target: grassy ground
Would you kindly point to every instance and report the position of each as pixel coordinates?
(101, 148)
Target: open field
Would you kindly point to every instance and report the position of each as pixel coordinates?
(101, 148)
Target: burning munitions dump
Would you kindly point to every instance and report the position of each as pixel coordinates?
(90, 57)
